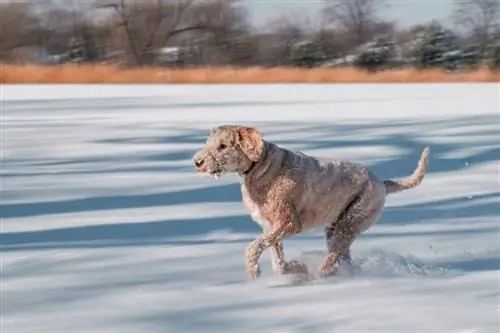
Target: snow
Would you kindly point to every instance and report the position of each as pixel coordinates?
(107, 228)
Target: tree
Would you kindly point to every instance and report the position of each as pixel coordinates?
(149, 24)
(495, 59)
(229, 39)
(19, 26)
(479, 17)
(68, 32)
(284, 33)
(433, 46)
(308, 53)
(376, 55)
(356, 17)
(494, 52)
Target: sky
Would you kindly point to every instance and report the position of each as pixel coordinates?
(405, 12)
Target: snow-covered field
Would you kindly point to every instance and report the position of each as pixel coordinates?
(107, 228)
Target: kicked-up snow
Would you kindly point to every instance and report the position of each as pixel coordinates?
(106, 227)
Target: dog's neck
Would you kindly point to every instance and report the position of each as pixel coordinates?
(254, 164)
(250, 168)
(264, 168)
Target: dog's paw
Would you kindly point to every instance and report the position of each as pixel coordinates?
(327, 270)
(295, 267)
(253, 270)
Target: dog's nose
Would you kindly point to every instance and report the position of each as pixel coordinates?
(198, 163)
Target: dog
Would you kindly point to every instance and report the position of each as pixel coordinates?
(288, 193)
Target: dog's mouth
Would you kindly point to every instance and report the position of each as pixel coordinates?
(216, 171)
(216, 174)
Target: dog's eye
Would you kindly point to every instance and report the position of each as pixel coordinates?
(222, 146)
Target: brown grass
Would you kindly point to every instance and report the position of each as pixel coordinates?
(111, 74)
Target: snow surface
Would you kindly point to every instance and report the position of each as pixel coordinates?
(107, 228)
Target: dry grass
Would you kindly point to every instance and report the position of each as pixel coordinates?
(111, 74)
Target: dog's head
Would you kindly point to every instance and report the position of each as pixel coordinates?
(229, 148)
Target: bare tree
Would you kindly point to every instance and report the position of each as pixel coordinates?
(479, 17)
(229, 40)
(356, 17)
(18, 27)
(149, 24)
(59, 26)
(285, 32)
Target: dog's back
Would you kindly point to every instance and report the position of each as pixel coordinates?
(323, 188)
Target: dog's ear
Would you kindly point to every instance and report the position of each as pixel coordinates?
(250, 142)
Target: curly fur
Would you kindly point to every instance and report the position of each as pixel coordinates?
(290, 192)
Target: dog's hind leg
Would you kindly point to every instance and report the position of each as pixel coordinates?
(330, 244)
(359, 214)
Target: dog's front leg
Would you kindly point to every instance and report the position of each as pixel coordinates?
(286, 222)
(281, 266)
(255, 249)
(278, 258)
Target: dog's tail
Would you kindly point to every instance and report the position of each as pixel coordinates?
(393, 186)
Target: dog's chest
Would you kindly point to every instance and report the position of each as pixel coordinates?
(254, 210)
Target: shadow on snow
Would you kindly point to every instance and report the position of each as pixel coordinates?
(396, 134)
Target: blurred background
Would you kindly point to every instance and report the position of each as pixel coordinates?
(370, 34)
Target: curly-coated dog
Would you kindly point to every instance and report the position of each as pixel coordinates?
(290, 192)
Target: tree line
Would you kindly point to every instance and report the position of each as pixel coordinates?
(185, 33)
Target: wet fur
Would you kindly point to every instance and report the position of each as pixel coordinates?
(289, 192)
